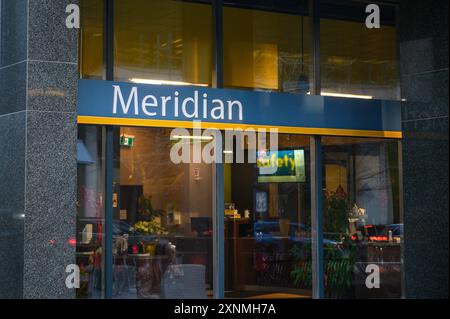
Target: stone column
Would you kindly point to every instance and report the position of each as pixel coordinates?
(423, 36)
(38, 130)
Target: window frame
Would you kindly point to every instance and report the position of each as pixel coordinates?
(218, 170)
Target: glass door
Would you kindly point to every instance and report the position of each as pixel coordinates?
(162, 219)
(268, 222)
(362, 214)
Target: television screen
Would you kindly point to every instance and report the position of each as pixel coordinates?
(283, 166)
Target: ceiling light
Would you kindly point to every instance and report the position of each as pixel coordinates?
(351, 96)
(194, 137)
(164, 82)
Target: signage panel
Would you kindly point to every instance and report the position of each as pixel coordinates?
(131, 104)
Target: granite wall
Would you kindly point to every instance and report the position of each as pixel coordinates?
(423, 41)
(38, 81)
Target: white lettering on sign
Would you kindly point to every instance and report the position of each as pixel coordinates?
(132, 97)
(187, 107)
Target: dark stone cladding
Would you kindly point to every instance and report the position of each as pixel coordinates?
(423, 41)
(38, 131)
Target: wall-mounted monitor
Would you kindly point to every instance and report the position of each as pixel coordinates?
(283, 166)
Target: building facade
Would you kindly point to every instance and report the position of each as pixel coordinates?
(90, 116)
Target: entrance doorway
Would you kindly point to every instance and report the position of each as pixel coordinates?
(268, 222)
(163, 216)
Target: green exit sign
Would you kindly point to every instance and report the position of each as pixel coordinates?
(127, 140)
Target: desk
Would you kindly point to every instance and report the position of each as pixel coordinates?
(239, 251)
(237, 227)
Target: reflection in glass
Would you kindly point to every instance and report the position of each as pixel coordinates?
(91, 209)
(91, 39)
(163, 42)
(268, 222)
(162, 220)
(362, 215)
(357, 61)
(267, 50)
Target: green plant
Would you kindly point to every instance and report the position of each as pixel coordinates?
(302, 272)
(338, 268)
(336, 210)
(339, 264)
(339, 258)
(148, 224)
(146, 209)
(150, 227)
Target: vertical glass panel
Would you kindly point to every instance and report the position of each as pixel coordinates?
(363, 226)
(163, 42)
(91, 211)
(264, 49)
(268, 221)
(355, 60)
(91, 39)
(162, 223)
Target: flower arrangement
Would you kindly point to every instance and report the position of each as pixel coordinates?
(150, 227)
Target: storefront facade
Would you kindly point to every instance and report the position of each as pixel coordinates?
(142, 77)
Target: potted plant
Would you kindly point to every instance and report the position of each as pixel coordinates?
(148, 225)
(146, 209)
(302, 269)
(339, 258)
(339, 255)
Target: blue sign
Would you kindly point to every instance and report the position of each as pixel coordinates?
(119, 103)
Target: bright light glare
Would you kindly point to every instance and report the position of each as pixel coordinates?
(164, 82)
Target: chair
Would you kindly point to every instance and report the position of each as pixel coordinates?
(184, 281)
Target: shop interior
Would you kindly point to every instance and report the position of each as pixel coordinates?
(163, 223)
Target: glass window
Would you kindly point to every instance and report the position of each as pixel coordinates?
(162, 212)
(363, 225)
(268, 222)
(91, 39)
(162, 219)
(356, 60)
(264, 49)
(91, 208)
(163, 42)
